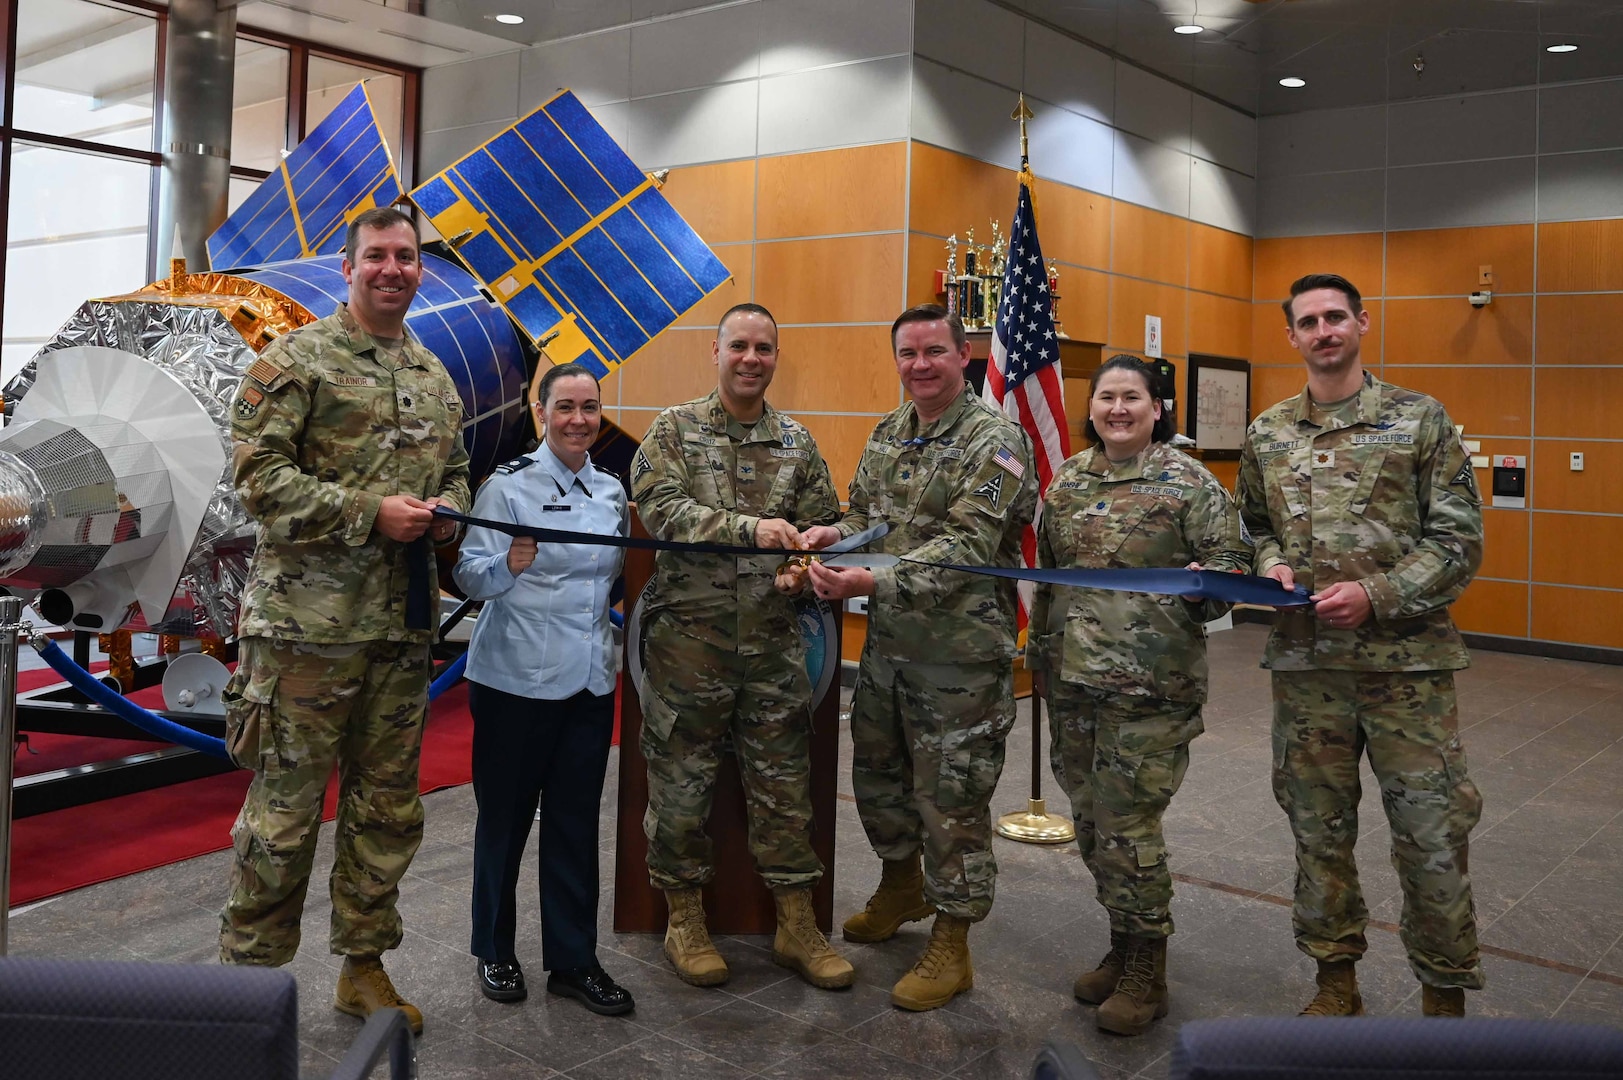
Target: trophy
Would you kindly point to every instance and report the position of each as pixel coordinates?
(995, 264)
(950, 281)
(1053, 297)
(971, 294)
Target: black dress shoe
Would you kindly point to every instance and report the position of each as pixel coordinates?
(593, 987)
(502, 980)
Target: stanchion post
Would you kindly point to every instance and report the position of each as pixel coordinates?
(11, 614)
(1034, 824)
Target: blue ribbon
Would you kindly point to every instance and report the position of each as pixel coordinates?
(1206, 584)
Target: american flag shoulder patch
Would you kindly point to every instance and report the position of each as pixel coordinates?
(1005, 457)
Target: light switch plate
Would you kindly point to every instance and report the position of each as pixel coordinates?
(1577, 461)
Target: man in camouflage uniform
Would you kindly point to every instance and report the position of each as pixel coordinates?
(347, 433)
(935, 696)
(1363, 492)
(723, 653)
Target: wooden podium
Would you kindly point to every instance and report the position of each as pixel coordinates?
(736, 901)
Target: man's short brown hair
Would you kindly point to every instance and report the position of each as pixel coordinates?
(930, 313)
(379, 217)
(1323, 281)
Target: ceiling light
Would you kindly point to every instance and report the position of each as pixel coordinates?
(508, 20)
(1566, 47)
(1188, 28)
(1292, 81)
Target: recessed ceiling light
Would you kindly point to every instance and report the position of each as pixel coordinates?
(1292, 81)
(1566, 47)
(508, 20)
(1188, 28)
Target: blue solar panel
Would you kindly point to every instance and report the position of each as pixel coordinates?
(302, 209)
(571, 237)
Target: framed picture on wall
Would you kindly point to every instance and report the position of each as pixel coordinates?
(1219, 405)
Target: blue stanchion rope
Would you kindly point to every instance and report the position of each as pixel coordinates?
(122, 707)
(161, 726)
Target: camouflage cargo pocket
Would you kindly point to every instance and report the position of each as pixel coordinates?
(657, 716)
(970, 767)
(247, 697)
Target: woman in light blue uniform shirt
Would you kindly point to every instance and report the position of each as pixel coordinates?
(542, 668)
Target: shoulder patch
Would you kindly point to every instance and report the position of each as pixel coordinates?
(1465, 478)
(640, 464)
(990, 492)
(265, 371)
(515, 465)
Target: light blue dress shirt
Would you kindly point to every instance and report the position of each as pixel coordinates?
(544, 633)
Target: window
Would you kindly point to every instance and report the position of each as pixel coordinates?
(85, 71)
(331, 80)
(258, 106)
(82, 148)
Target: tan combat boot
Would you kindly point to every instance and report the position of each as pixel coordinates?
(687, 942)
(899, 899)
(942, 973)
(364, 988)
(1338, 991)
(1140, 997)
(1095, 986)
(801, 946)
(1442, 1001)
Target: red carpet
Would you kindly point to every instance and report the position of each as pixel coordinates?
(69, 849)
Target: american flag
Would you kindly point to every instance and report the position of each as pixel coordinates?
(1023, 374)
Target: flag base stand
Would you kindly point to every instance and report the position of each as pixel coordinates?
(1035, 825)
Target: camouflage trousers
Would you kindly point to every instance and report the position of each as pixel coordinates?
(697, 699)
(360, 707)
(1121, 758)
(927, 751)
(1323, 722)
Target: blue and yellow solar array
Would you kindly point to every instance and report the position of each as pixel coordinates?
(341, 169)
(571, 237)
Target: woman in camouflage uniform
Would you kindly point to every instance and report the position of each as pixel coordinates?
(1125, 673)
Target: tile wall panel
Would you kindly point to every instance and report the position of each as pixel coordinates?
(1462, 128)
(1451, 331)
(844, 279)
(1068, 73)
(1444, 262)
(1153, 108)
(1585, 616)
(1150, 174)
(1581, 403)
(972, 36)
(717, 200)
(1492, 401)
(1148, 244)
(836, 369)
(1575, 549)
(1219, 326)
(1460, 193)
(1578, 328)
(701, 49)
(1358, 257)
(1580, 256)
(1220, 261)
(853, 103)
(803, 35)
(1580, 185)
(1222, 197)
(1555, 486)
(1505, 539)
(1493, 607)
(597, 68)
(862, 189)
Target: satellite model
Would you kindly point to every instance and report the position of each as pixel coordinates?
(116, 503)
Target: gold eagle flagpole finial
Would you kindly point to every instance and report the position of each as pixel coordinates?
(1022, 112)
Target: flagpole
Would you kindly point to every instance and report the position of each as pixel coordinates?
(1034, 824)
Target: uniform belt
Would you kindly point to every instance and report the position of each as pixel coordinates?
(1209, 584)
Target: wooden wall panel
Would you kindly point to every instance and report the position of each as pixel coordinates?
(1581, 403)
(1444, 262)
(634, 422)
(837, 280)
(1131, 300)
(1073, 225)
(675, 367)
(1084, 304)
(1269, 345)
(860, 189)
(950, 194)
(1219, 261)
(1504, 548)
(925, 255)
(1149, 244)
(835, 369)
(1355, 256)
(1585, 616)
(1492, 607)
(717, 200)
(1580, 256)
(1227, 472)
(1578, 329)
(1271, 385)
(1451, 331)
(1488, 401)
(1554, 486)
(1577, 549)
(841, 439)
(1219, 326)
(740, 259)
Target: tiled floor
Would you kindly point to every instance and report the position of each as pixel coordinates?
(1545, 740)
